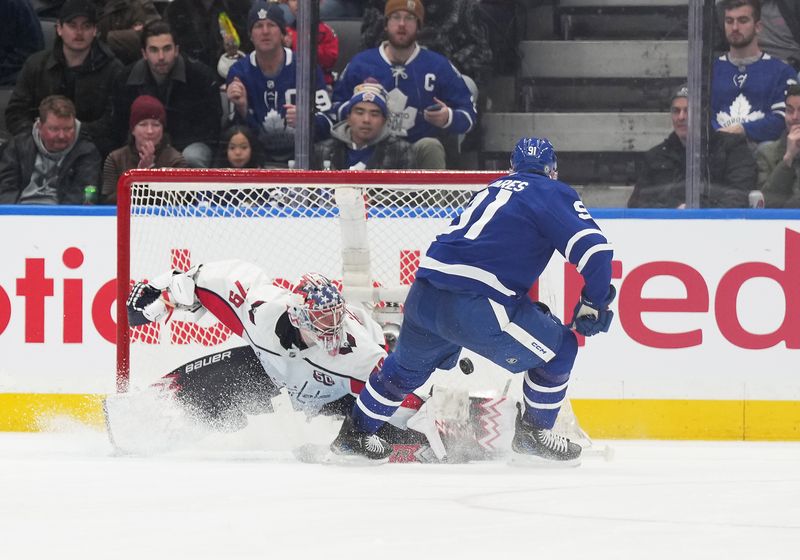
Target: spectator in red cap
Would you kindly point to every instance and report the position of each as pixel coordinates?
(147, 147)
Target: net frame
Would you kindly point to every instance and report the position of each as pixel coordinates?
(194, 179)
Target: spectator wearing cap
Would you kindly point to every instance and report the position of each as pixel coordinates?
(661, 178)
(188, 89)
(20, 37)
(50, 163)
(200, 30)
(362, 141)
(427, 97)
(262, 86)
(78, 67)
(779, 161)
(148, 146)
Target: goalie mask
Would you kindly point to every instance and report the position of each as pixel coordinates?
(321, 313)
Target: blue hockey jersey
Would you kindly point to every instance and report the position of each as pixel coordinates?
(507, 234)
(752, 95)
(266, 97)
(411, 88)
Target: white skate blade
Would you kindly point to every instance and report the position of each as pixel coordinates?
(534, 461)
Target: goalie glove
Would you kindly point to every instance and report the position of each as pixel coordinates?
(590, 318)
(145, 305)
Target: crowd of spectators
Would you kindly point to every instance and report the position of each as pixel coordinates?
(202, 83)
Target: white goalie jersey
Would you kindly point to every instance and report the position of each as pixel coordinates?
(243, 298)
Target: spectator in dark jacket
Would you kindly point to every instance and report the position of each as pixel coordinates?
(362, 141)
(78, 67)
(49, 164)
(196, 25)
(187, 88)
(121, 23)
(20, 37)
(661, 181)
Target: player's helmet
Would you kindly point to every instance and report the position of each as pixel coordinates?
(321, 312)
(536, 155)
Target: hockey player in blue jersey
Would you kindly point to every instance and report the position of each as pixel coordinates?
(426, 94)
(471, 291)
(262, 86)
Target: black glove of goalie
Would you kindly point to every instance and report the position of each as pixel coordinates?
(590, 318)
(145, 305)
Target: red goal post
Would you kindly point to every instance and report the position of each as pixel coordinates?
(364, 229)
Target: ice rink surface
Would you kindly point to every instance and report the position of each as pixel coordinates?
(65, 495)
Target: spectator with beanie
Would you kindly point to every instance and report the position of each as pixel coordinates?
(426, 94)
(78, 67)
(363, 141)
(262, 86)
(147, 148)
(188, 89)
(661, 181)
(49, 164)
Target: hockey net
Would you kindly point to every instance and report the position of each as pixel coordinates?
(365, 230)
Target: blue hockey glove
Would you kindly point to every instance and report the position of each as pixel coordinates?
(145, 305)
(590, 318)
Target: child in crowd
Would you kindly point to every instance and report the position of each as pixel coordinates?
(327, 43)
(239, 149)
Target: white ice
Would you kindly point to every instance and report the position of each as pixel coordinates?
(65, 495)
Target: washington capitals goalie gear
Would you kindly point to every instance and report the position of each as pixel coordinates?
(145, 305)
(591, 318)
(321, 313)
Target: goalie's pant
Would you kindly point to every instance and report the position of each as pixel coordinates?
(223, 387)
(438, 323)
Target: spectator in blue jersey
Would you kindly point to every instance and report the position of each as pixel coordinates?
(363, 141)
(51, 163)
(20, 37)
(262, 86)
(427, 97)
(748, 85)
(471, 291)
(779, 161)
(661, 180)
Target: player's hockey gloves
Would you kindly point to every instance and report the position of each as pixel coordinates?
(145, 305)
(591, 318)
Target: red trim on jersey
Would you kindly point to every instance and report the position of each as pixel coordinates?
(412, 401)
(220, 309)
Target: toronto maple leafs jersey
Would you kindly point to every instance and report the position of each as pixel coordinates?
(506, 235)
(411, 88)
(752, 95)
(266, 97)
(244, 299)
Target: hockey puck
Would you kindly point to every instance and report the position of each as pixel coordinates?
(466, 366)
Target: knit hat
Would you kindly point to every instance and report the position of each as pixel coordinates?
(263, 10)
(75, 8)
(371, 92)
(147, 107)
(413, 6)
(682, 91)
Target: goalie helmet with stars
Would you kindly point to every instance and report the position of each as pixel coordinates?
(321, 312)
(535, 155)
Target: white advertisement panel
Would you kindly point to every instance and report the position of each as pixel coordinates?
(707, 309)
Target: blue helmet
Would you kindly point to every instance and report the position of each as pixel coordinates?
(534, 154)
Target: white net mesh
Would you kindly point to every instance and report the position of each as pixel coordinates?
(358, 235)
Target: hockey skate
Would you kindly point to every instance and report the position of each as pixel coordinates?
(541, 447)
(354, 446)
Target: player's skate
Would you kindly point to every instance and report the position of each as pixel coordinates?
(541, 447)
(353, 446)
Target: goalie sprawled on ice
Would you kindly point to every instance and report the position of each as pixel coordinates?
(306, 341)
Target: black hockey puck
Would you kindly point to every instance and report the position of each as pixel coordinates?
(466, 366)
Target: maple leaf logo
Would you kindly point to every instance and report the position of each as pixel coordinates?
(740, 112)
(401, 117)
